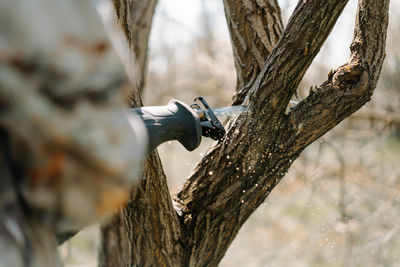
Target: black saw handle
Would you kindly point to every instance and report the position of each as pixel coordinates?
(175, 121)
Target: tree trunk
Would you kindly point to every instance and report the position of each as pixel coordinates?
(121, 242)
(239, 172)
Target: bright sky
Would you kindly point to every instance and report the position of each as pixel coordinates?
(181, 18)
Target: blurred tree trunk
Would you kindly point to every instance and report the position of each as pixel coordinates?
(239, 172)
(120, 242)
(68, 154)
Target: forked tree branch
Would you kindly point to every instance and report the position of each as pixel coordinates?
(150, 207)
(236, 176)
(303, 37)
(240, 171)
(350, 86)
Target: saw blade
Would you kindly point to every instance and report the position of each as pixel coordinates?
(229, 111)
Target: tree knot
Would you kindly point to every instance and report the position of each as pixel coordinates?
(351, 78)
(347, 75)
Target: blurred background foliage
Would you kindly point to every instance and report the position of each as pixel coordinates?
(339, 205)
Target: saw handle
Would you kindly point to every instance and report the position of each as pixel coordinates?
(175, 121)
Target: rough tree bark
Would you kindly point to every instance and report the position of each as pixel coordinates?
(255, 28)
(239, 172)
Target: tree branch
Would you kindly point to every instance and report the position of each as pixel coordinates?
(255, 28)
(135, 18)
(350, 86)
(307, 30)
